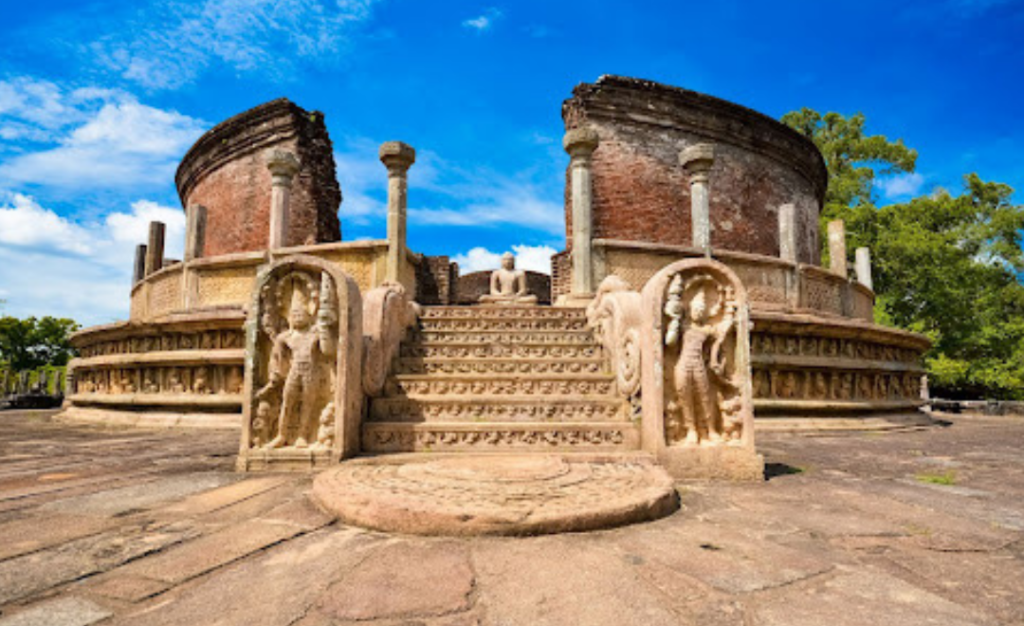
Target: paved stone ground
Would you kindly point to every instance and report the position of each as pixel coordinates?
(143, 528)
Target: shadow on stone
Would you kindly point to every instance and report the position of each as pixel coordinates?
(774, 470)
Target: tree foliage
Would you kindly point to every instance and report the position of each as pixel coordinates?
(946, 266)
(853, 158)
(30, 343)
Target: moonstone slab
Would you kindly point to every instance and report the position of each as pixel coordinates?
(495, 495)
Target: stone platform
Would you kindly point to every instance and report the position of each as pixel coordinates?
(127, 527)
(496, 494)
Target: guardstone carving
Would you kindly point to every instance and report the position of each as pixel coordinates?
(303, 365)
(704, 390)
(614, 314)
(695, 358)
(388, 315)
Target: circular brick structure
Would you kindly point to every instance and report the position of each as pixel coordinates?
(640, 192)
(495, 495)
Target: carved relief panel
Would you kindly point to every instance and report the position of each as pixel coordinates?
(303, 362)
(696, 382)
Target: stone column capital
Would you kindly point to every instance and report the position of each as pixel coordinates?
(398, 157)
(283, 166)
(697, 159)
(580, 143)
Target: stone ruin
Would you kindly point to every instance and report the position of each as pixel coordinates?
(687, 311)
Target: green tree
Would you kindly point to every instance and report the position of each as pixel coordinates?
(946, 266)
(852, 157)
(30, 343)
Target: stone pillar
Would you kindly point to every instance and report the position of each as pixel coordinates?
(837, 247)
(155, 248)
(195, 231)
(787, 233)
(697, 161)
(139, 271)
(580, 143)
(283, 167)
(863, 264)
(398, 158)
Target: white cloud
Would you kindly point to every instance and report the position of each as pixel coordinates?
(173, 41)
(901, 185)
(533, 258)
(483, 22)
(24, 223)
(98, 138)
(133, 228)
(477, 197)
(70, 269)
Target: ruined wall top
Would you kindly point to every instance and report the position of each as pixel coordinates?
(225, 171)
(640, 192)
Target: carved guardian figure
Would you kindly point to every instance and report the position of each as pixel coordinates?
(299, 381)
(703, 389)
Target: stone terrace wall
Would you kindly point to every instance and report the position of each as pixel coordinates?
(225, 172)
(640, 192)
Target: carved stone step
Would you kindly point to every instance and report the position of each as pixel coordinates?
(502, 312)
(478, 366)
(463, 324)
(581, 337)
(428, 349)
(503, 385)
(531, 437)
(501, 350)
(468, 408)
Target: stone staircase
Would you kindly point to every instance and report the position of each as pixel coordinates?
(495, 379)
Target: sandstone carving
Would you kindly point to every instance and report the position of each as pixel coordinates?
(695, 358)
(304, 354)
(508, 285)
(299, 382)
(614, 314)
(704, 397)
(388, 313)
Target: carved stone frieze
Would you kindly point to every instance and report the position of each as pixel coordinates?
(386, 438)
(507, 366)
(437, 386)
(399, 410)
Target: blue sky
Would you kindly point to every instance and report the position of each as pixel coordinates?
(99, 100)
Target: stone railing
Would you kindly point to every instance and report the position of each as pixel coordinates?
(772, 283)
(225, 282)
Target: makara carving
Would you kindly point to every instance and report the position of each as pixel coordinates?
(614, 314)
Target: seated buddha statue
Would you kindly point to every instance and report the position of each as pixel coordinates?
(508, 285)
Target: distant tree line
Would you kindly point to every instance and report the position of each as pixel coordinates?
(948, 265)
(30, 343)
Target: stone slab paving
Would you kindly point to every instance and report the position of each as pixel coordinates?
(107, 526)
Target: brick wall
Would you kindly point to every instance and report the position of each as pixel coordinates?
(225, 172)
(435, 280)
(561, 275)
(642, 194)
